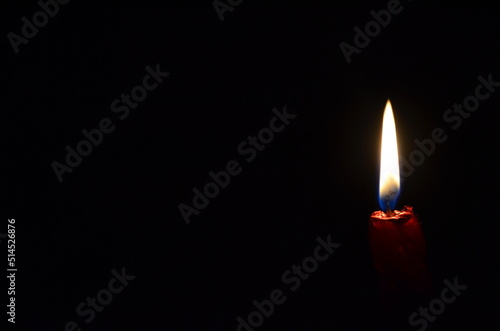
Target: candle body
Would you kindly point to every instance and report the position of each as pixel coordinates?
(398, 250)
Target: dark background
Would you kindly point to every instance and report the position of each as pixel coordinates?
(318, 177)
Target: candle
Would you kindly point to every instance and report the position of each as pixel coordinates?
(396, 237)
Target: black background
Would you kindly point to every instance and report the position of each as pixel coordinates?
(318, 177)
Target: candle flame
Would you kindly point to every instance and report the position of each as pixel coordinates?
(389, 162)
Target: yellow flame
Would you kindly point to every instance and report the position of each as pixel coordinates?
(389, 161)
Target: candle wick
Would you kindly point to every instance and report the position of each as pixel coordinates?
(388, 210)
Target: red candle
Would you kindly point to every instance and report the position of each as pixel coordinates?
(396, 237)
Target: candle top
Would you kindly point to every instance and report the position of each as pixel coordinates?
(397, 215)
